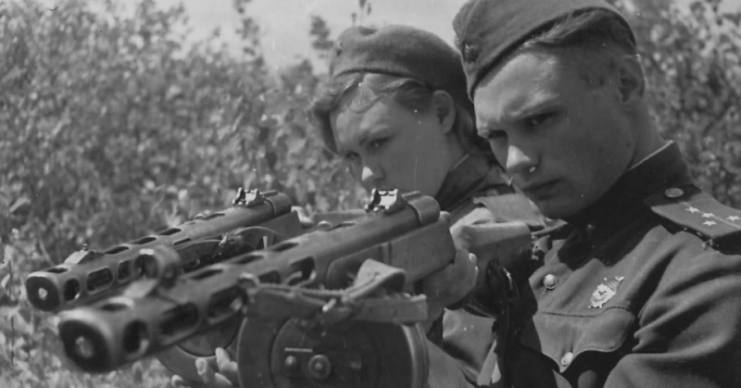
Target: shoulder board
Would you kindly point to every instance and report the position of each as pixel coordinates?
(693, 209)
(512, 207)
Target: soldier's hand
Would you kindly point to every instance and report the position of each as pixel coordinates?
(215, 372)
(451, 284)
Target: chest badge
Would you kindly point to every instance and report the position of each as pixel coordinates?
(605, 292)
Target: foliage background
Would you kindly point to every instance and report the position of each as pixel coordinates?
(111, 126)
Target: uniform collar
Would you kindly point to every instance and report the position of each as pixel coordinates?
(660, 170)
(472, 173)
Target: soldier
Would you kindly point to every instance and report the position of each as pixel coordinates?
(395, 109)
(641, 287)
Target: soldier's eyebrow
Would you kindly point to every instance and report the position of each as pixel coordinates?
(366, 135)
(514, 112)
(533, 107)
(372, 133)
(516, 118)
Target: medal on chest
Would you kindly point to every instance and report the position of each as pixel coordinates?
(605, 292)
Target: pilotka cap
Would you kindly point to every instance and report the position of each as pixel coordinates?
(488, 30)
(400, 51)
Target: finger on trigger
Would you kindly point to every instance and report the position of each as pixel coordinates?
(206, 371)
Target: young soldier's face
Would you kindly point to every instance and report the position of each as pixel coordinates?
(564, 142)
(390, 147)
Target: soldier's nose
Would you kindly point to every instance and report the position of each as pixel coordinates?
(517, 161)
(370, 176)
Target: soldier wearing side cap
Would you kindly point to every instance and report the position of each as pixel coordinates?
(395, 108)
(641, 286)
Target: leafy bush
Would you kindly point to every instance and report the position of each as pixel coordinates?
(112, 127)
(693, 63)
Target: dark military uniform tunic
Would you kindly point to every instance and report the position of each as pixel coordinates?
(642, 289)
(466, 194)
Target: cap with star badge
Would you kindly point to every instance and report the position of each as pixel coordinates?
(488, 30)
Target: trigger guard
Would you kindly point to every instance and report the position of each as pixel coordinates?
(253, 235)
(301, 353)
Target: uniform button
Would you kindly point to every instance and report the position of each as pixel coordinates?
(549, 281)
(590, 228)
(674, 192)
(567, 358)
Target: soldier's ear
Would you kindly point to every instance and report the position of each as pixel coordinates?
(630, 80)
(444, 108)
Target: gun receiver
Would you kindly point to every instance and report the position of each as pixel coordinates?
(87, 275)
(406, 232)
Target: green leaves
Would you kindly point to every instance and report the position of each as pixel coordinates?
(115, 125)
(692, 59)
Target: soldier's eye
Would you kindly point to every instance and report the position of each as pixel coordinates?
(493, 135)
(539, 119)
(377, 143)
(351, 157)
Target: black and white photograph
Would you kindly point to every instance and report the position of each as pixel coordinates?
(370, 193)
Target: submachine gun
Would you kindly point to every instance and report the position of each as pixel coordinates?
(254, 221)
(332, 307)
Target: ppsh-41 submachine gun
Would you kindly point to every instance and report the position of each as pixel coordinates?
(255, 221)
(327, 308)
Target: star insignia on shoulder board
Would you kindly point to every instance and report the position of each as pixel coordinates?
(605, 292)
(707, 215)
(693, 209)
(709, 223)
(734, 218)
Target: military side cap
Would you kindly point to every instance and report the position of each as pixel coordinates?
(400, 51)
(696, 211)
(489, 30)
